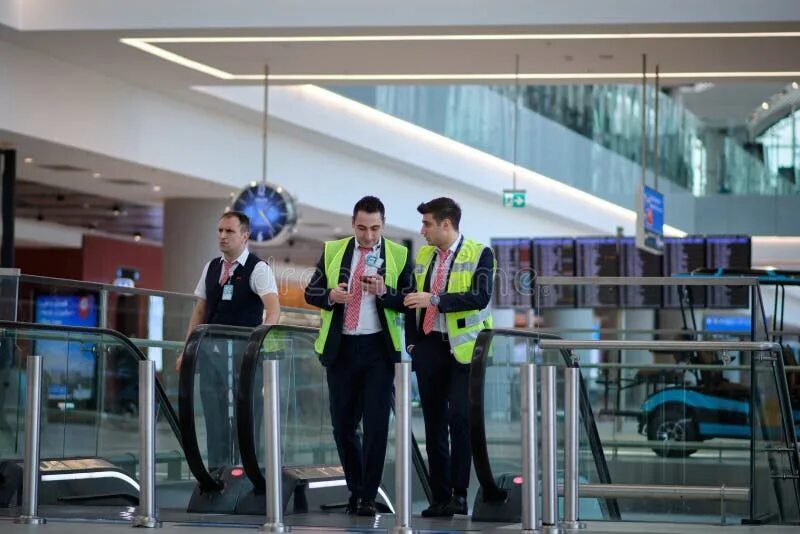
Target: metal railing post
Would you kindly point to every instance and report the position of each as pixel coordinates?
(530, 480)
(548, 421)
(272, 450)
(30, 467)
(402, 465)
(147, 515)
(571, 448)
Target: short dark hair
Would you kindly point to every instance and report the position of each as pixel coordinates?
(244, 220)
(370, 204)
(442, 208)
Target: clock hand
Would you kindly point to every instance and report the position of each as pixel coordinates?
(266, 219)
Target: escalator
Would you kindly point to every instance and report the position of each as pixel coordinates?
(89, 423)
(231, 481)
(499, 498)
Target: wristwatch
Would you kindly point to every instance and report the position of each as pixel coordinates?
(435, 300)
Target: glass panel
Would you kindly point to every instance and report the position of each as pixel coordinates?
(90, 406)
(219, 355)
(155, 321)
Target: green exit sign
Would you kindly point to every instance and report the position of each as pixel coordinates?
(513, 198)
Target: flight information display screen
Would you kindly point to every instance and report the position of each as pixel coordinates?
(635, 262)
(554, 257)
(514, 273)
(728, 252)
(597, 256)
(682, 255)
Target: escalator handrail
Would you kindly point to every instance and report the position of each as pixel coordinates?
(187, 373)
(169, 411)
(244, 405)
(478, 444)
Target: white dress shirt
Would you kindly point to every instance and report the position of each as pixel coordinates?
(368, 322)
(262, 279)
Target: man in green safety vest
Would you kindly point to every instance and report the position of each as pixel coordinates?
(359, 285)
(454, 281)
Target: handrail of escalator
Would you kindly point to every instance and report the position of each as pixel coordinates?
(169, 412)
(244, 407)
(480, 452)
(191, 447)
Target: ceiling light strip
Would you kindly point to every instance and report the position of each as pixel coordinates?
(177, 58)
(472, 37)
(141, 44)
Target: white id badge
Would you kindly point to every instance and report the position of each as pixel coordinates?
(227, 292)
(371, 264)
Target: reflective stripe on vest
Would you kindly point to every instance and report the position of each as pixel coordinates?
(462, 338)
(396, 255)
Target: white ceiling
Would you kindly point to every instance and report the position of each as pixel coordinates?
(592, 59)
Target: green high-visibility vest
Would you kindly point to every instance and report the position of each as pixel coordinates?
(396, 255)
(463, 326)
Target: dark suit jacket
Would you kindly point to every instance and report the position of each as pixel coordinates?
(317, 292)
(477, 298)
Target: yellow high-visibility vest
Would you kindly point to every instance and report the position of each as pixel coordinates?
(396, 255)
(463, 326)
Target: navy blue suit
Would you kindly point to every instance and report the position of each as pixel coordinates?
(360, 371)
(444, 385)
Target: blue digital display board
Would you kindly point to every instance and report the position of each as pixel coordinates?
(726, 323)
(69, 365)
(650, 221)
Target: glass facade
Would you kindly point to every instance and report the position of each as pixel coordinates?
(781, 143)
(535, 133)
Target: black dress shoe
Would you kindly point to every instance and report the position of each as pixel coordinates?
(457, 505)
(352, 505)
(438, 509)
(367, 508)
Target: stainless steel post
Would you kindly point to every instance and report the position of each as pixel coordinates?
(402, 465)
(549, 495)
(530, 482)
(571, 448)
(30, 467)
(272, 449)
(147, 515)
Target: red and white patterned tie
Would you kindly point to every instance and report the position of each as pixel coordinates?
(226, 271)
(353, 308)
(431, 312)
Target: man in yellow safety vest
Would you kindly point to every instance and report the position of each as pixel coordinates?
(359, 285)
(454, 280)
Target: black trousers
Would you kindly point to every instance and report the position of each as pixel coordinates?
(444, 394)
(360, 390)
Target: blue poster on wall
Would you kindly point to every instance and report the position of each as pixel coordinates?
(69, 366)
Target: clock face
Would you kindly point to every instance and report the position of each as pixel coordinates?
(270, 209)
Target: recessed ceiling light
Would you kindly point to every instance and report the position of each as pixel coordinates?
(96, 175)
(156, 188)
(765, 105)
(28, 160)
